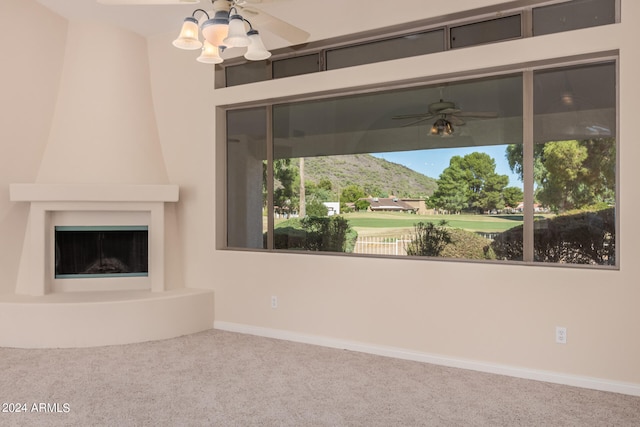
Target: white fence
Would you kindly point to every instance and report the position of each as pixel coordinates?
(382, 245)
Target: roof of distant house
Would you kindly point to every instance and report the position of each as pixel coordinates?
(389, 204)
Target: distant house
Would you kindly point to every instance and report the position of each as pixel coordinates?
(536, 207)
(333, 208)
(420, 206)
(390, 204)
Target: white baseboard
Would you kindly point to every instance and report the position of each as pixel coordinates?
(400, 353)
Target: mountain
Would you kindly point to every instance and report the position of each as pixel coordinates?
(378, 177)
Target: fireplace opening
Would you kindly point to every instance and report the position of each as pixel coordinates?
(101, 251)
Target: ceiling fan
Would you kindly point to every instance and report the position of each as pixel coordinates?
(447, 116)
(256, 18)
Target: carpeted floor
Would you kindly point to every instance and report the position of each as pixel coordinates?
(217, 378)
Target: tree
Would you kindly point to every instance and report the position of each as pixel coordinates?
(362, 205)
(318, 192)
(452, 193)
(285, 174)
(470, 182)
(492, 193)
(512, 196)
(351, 193)
(563, 161)
(570, 174)
(316, 208)
(325, 184)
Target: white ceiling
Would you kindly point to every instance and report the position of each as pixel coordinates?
(321, 18)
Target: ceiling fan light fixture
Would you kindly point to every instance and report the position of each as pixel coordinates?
(256, 51)
(216, 29)
(188, 38)
(567, 98)
(210, 54)
(237, 34)
(225, 30)
(442, 127)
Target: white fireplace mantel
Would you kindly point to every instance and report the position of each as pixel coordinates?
(92, 193)
(88, 204)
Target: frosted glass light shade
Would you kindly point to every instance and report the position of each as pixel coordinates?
(210, 54)
(442, 127)
(237, 36)
(188, 38)
(256, 50)
(215, 30)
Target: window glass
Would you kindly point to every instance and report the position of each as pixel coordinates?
(296, 66)
(384, 50)
(575, 169)
(369, 174)
(573, 15)
(246, 189)
(494, 30)
(250, 72)
(433, 171)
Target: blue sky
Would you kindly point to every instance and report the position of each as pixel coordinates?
(432, 162)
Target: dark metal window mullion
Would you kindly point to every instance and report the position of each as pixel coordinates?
(270, 178)
(527, 167)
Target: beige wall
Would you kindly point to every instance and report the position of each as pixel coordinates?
(501, 314)
(183, 101)
(32, 44)
(495, 314)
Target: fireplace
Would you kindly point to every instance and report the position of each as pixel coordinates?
(87, 302)
(95, 237)
(101, 251)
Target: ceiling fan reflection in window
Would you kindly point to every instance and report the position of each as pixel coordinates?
(447, 116)
(226, 24)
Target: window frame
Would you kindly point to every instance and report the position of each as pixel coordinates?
(527, 72)
(464, 19)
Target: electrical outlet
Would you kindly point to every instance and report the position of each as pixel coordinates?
(274, 301)
(561, 335)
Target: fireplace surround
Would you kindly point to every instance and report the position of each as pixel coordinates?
(105, 206)
(101, 310)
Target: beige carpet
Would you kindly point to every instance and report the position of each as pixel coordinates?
(219, 378)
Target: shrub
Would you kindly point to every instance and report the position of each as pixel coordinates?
(316, 208)
(428, 239)
(437, 240)
(468, 245)
(325, 234)
(577, 238)
(331, 234)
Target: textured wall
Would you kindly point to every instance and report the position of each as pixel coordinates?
(32, 60)
(104, 128)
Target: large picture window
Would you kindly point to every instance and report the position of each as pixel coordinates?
(440, 170)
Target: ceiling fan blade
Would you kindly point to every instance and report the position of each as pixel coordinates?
(261, 20)
(449, 111)
(416, 122)
(413, 116)
(456, 121)
(479, 114)
(145, 2)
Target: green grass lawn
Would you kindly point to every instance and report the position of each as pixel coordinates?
(484, 223)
